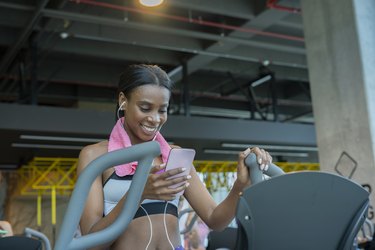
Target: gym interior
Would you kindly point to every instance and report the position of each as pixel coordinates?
(292, 77)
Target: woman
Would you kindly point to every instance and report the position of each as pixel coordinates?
(144, 93)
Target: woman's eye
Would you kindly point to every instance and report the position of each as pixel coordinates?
(163, 111)
(144, 109)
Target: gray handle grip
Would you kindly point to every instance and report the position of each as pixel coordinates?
(29, 232)
(144, 153)
(256, 175)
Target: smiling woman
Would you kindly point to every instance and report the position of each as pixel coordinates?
(145, 112)
(143, 99)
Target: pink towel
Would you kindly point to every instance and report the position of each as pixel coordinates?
(120, 139)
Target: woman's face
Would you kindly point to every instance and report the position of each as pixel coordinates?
(145, 112)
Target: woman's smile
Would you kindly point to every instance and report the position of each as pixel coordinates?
(150, 130)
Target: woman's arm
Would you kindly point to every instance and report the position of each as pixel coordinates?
(217, 217)
(92, 219)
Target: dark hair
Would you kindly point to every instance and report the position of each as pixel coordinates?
(142, 74)
(137, 75)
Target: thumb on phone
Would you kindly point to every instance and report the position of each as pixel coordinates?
(157, 168)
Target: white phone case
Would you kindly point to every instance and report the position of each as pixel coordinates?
(180, 158)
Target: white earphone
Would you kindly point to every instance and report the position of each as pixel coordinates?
(120, 108)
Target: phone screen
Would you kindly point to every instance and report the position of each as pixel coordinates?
(180, 158)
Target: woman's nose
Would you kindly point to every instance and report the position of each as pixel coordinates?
(155, 117)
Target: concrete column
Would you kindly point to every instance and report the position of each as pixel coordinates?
(340, 42)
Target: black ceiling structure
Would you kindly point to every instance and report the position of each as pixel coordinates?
(230, 60)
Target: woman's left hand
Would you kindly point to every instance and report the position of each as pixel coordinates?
(264, 159)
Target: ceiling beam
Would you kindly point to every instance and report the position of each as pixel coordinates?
(233, 8)
(13, 50)
(261, 22)
(95, 123)
(111, 22)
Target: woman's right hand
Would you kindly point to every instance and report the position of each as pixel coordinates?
(158, 185)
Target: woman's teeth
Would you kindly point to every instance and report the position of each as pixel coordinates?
(149, 129)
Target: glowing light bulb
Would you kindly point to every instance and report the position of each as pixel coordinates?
(151, 3)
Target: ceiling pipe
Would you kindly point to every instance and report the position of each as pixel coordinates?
(195, 94)
(272, 4)
(190, 20)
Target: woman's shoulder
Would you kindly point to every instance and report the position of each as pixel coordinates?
(91, 152)
(95, 149)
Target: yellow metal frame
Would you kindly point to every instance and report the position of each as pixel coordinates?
(42, 175)
(45, 176)
(48, 176)
(215, 173)
(231, 166)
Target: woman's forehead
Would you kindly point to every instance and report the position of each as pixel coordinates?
(151, 92)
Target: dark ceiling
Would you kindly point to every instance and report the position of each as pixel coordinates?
(235, 59)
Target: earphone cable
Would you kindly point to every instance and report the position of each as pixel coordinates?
(165, 224)
(149, 220)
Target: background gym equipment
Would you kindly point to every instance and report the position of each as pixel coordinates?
(304, 210)
(29, 232)
(31, 240)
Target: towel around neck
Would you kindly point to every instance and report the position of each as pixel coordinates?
(119, 139)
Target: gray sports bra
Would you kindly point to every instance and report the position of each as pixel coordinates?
(114, 189)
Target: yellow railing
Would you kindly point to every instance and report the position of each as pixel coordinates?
(47, 176)
(230, 166)
(42, 175)
(220, 174)
(56, 176)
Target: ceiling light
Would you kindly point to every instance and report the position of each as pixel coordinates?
(234, 152)
(8, 166)
(45, 146)
(270, 147)
(64, 35)
(150, 3)
(266, 62)
(261, 80)
(60, 138)
(220, 151)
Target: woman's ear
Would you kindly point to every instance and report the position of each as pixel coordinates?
(122, 101)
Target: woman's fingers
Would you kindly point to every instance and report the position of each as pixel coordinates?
(242, 155)
(173, 172)
(165, 185)
(157, 168)
(258, 152)
(269, 157)
(264, 159)
(170, 193)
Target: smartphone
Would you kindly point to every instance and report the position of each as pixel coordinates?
(180, 158)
